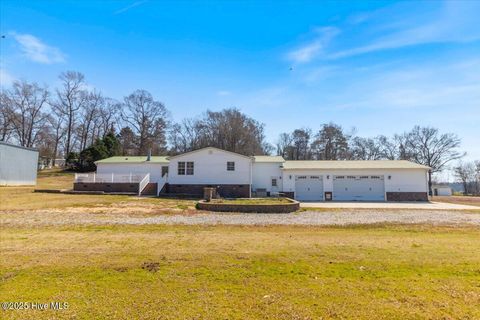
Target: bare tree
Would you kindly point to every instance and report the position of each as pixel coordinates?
(330, 143)
(465, 173)
(5, 120)
(70, 99)
(56, 121)
(148, 120)
(427, 146)
(366, 148)
(228, 129)
(301, 143)
(285, 146)
(25, 104)
(89, 114)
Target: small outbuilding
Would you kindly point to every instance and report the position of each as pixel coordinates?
(18, 165)
(441, 190)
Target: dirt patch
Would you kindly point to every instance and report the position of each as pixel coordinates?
(151, 266)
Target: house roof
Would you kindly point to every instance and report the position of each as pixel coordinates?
(135, 159)
(352, 164)
(194, 151)
(268, 159)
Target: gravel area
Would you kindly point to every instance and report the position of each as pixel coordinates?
(334, 217)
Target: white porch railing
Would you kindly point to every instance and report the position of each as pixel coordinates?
(143, 183)
(112, 177)
(161, 183)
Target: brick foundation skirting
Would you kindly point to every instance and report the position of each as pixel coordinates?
(407, 196)
(106, 187)
(223, 190)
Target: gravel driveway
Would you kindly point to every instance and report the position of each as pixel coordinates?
(334, 217)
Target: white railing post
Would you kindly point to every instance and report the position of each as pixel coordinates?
(75, 178)
(112, 177)
(94, 176)
(130, 177)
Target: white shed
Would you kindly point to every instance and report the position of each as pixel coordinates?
(18, 165)
(442, 190)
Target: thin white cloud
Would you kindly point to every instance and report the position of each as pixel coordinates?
(223, 93)
(309, 51)
(6, 79)
(36, 50)
(133, 5)
(453, 23)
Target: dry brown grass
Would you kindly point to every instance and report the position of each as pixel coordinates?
(24, 198)
(467, 200)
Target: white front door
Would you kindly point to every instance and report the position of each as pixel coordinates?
(359, 188)
(309, 188)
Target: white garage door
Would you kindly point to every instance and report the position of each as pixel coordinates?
(358, 188)
(309, 188)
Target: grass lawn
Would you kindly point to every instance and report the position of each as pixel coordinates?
(468, 200)
(221, 272)
(23, 198)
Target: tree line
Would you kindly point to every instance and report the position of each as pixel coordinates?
(78, 123)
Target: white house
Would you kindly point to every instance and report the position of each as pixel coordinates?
(236, 175)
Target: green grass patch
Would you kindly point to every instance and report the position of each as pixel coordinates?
(235, 272)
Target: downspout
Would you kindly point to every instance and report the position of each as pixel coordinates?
(251, 178)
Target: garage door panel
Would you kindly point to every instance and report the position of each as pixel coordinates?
(309, 188)
(359, 188)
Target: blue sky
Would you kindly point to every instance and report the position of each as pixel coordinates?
(379, 66)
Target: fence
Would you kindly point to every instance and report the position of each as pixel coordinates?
(112, 178)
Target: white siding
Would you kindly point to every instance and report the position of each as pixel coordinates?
(155, 169)
(263, 173)
(402, 180)
(210, 167)
(18, 165)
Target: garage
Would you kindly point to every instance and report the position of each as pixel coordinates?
(359, 188)
(309, 188)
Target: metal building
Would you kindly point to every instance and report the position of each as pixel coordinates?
(18, 165)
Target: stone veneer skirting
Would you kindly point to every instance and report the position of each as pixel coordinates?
(223, 190)
(407, 196)
(249, 208)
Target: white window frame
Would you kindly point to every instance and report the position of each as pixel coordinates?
(181, 168)
(190, 168)
(276, 182)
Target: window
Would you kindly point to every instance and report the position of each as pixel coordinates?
(164, 170)
(190, 168)
(181, 168)
(230, 166)
(274, 182)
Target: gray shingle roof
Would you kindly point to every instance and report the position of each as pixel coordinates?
(352, 164)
